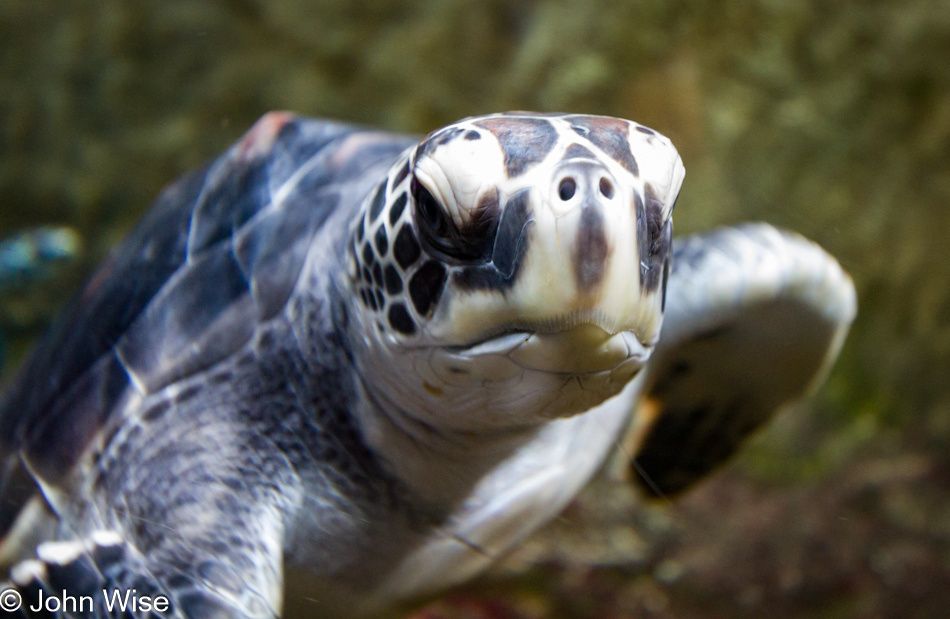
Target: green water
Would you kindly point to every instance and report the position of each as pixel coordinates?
(831, 119)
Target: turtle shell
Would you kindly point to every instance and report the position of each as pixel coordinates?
(220, 251)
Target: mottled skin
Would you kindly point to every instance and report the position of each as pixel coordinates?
(333, 371)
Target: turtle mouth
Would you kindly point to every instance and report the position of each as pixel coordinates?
(575, 349)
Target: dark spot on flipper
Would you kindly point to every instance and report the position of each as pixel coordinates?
(473, 135)
(684, 446)
(107, 551)
(510, 247)
(524, 141)
(156, 411)
(577, 151)
(187, 393)
(645, 130)
(712, 334)
(590, 253)
(31, 589)
(379, 200)
(204, 605)
(382, 242)
(393, 280)
(609, 135)
(666, 461)
(397, 208)
(406, 248)
(680, 367)
(76, 574)
(425, 287)
(400, 320)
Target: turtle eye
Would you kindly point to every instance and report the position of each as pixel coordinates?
(432, 215)
(440, 233)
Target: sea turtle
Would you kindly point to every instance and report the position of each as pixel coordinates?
(340, 367)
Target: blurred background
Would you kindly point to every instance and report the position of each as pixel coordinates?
(831, 119)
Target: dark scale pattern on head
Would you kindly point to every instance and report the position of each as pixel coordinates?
(643, 236)
(400, 320)
(360, 230)
(406, 247)
(402, 174)
(659, 239)
(380, 299)
(352, 249)
(666, 280)
(367, 276)
(393, 280)
(425, 287)
(610, 136)
(368, 256)
(484, 218)
(439, 138)
(590, 254)
(378, 274)
(525, 141)
(576, 151)
(379, 200)
(382, 242)
(397, 208)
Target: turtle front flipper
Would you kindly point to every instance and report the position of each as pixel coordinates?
(105, 576)
(754, 319)
(75, 578)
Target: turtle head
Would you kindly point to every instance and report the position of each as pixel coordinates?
(512, 268)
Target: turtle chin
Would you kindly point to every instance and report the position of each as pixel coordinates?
(577, 350)
(545, 374)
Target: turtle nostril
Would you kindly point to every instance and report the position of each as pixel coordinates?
(606, 188)
(567, 188)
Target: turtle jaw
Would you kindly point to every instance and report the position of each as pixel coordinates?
(576, 350)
